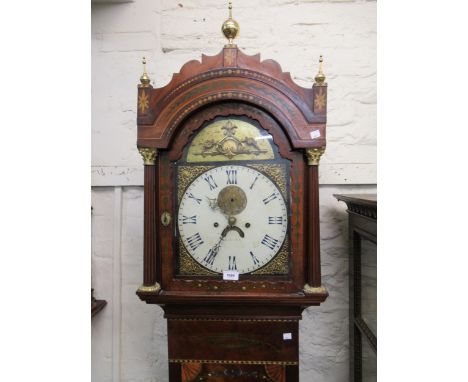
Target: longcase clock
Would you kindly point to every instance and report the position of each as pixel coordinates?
(231, 148)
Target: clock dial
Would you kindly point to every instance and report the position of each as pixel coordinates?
(232, 218)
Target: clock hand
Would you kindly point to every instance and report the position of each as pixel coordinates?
(225, 231)
(216, 247)
(213, 203)
(213, 252)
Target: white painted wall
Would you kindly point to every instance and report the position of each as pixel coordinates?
(294, 33)
(129, 337)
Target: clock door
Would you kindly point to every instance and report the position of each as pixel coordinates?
(228, 185)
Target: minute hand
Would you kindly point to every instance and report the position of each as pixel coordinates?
(213, 252)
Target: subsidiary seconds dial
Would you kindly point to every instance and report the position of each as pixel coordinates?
(232, 218)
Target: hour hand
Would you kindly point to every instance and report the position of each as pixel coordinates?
(213, 252)
(225, 231)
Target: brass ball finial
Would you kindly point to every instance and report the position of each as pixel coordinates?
(144, 79)
(230, 27)
(320, 77)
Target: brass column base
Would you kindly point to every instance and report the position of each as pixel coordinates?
(150, 288)
(314, 290)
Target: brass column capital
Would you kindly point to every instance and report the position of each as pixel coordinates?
(149, 155)
(313, 155)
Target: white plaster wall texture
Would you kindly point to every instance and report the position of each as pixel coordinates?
(294, 33)
(128, 336)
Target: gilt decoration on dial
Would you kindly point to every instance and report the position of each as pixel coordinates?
(232, 217)
(230, 139)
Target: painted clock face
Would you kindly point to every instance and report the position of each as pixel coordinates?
(232, 218)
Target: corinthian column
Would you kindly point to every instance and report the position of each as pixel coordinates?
(314, 276)
(150, 283)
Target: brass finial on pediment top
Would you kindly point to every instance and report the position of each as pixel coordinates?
(149, 155)
(230, 28)
(320, 77)
(144, 79)
(313, 155)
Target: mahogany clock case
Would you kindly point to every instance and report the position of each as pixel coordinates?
(220, 330)
(232, 85)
